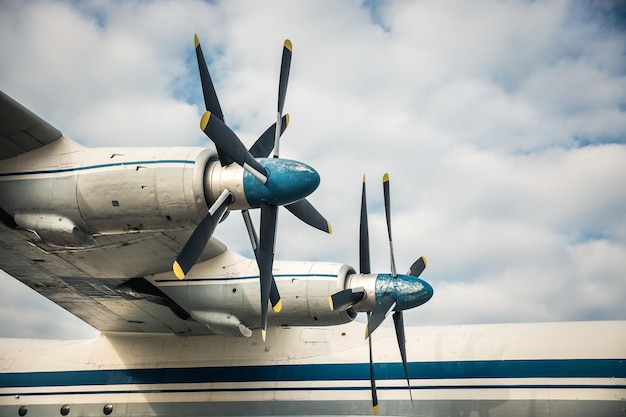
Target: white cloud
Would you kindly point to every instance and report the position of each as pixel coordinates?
(141, 120)
(501, 124)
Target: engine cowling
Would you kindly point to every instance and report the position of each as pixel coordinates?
(143, 189)
(75, 192)
(223, 293)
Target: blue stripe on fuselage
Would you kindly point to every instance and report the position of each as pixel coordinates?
(541, 368)
(85, 168)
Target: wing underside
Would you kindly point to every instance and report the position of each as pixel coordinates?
(103, 285)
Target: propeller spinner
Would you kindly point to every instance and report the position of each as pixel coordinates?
(267, 184)
(391, 292)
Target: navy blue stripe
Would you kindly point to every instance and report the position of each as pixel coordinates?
(308, 389)
(550, 368)
(117, 164)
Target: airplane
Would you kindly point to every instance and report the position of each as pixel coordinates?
(123, 239)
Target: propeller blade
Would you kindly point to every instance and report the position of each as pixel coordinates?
(277, 303)
(345, 299)
(265, 143)
(229, 144)
(285, 66)
(418, 267)
(398, 322)
(364, 240)
(372, 376)
(265, 258)
(208, 90)
(305, 211)
(384, 305)
(200, 237)
(388, 216)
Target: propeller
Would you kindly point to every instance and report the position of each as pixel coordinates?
(392, 292)
(231, 150)
(386, 303)
(269, 213)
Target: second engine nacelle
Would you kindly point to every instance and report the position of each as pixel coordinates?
(223, 293)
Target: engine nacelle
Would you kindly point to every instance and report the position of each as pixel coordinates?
(67, 193)
(224, 293)
(144, 190)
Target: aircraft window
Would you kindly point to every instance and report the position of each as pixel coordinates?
(22, 411)
(65, 410)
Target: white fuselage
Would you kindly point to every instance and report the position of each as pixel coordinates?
(549, 369)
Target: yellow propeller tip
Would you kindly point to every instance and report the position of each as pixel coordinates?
(205, 120)
(386, 177)
(287, 117)
(288, 45)
(330, 303)
(278, 306)
(196, 41)
(330, 229)
(263, 334)
(178, 271)
(367, 332)
(425, 262)
(363, 177)
(376, 409)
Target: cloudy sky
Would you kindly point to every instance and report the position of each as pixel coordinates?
(502, 125)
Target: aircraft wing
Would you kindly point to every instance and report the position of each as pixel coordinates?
(21, 130)
(103, 285)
